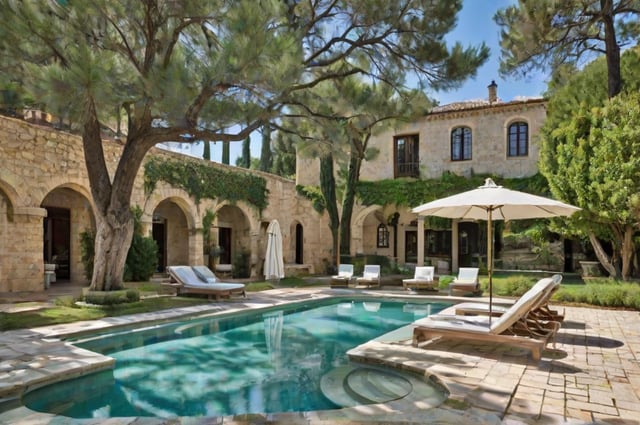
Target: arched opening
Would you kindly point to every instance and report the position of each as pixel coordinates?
(170, 231)
(69, 214)
(299, 257)
(234, 240)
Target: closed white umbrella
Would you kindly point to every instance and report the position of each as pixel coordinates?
(273, 262)
(492, 202)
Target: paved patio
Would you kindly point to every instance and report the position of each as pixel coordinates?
(593, 375)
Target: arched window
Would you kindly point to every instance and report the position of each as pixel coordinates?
(383, 236)
(461, 144)
(518, 139)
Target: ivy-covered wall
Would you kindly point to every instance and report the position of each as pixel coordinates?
(201, 181)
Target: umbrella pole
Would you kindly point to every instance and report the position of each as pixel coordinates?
(490, 261)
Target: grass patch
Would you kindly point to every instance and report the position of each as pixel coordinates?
(603, 292)
(65, 310)
(59, 314)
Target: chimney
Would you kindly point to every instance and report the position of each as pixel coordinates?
(493, 91)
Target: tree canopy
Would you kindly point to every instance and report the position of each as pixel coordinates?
(598, 169)
(213, 70)
(585, 149)
(547, 34)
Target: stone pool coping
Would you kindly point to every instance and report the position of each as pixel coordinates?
(593, 376)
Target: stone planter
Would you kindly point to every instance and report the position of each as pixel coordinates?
(590, 269)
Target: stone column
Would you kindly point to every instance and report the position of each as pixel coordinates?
(420, 261)
(455, 249)
(23, 261)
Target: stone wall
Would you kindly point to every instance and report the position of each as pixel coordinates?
(489, 123)
(489, 142)
(42, 167)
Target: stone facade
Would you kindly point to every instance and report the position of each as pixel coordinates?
(488, 120)
(42, 174)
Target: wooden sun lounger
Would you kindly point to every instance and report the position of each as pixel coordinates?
(188, 282)
(422, 279)
(513, 328)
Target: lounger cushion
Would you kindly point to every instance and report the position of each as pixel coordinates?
(205, 274)
(522, 306)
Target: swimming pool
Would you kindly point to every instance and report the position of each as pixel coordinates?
(260, 362)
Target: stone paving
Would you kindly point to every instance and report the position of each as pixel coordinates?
(592, 375)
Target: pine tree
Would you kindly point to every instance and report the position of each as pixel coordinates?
(185, 71)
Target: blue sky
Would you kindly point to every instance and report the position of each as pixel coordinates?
(475, 25)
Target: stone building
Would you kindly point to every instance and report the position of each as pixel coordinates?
(489, 136)
(46, 203)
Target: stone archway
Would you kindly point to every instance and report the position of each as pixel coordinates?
(234, 239)
(170, 230)
(69, 214)
(363, 230)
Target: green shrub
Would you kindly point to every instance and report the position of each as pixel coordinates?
(601, 292)
(87, 250)
(132, 295)
(359, 261)
(444, 281)
(65, 301)
(109, 298)
(241, 265)
(514, 286)
(142, 259)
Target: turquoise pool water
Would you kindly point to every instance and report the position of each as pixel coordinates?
(254, 363)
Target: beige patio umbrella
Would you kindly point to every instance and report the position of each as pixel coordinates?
(273, 261)
(492, 202)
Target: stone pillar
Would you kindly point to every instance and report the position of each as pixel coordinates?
(196, 246)
(256, 255)
(420, 261)
(23, 262)
(455, 248)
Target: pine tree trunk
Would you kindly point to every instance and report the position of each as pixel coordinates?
(113, 239)
(612, 50)
(265, 153)
(328, 188)
(112, 198)
(353, 175)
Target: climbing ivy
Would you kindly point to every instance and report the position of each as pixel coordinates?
(411, 193)
(202, 181)
(313, 194)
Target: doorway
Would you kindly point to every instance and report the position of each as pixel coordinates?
(159, 232)
(224, 241)
(299, 244)
(57, 240)
(411, 246)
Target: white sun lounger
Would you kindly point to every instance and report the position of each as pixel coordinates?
(370, 276)
(422, 279)
(344, 276)
(466, 281)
